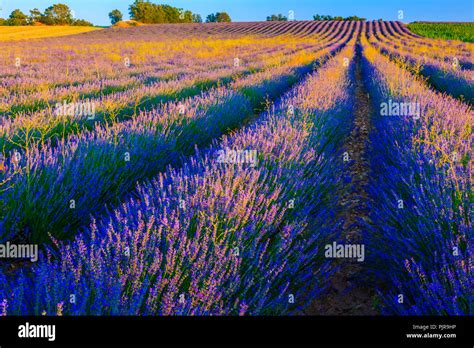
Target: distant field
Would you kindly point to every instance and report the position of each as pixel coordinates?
(448, 31)
(34, 32)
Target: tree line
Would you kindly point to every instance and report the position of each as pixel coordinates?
(147, 12)
(57, 14)
(317, 17)
(142, 11)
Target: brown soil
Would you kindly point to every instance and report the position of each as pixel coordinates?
(347, 294)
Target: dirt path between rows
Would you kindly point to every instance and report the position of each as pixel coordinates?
(348, 292)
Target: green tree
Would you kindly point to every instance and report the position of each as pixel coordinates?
(218, 17)
(278, 17)
(35, 16)
(187, 17)
(172, 14)
(211, 18)
(62, 14)
(318, 17)
(223, 17)
(58, 14)
(17, 18)
(82, 23)
(48, 17)
(146, 12)
(197, 18)
(115, 16)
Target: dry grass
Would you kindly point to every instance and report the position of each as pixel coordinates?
(36, 32)
(127, 24)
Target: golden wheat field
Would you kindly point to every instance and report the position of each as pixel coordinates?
(37, 32)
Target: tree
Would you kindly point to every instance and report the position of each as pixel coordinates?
(48, 17)
(146, 12)
(58, 14)
(115, 16)
(223, 17)
(172, 14)
(318, 17)
(62, 14)
(186, 17)
(355, 18)
(218, 17)
(211, 18)
(82, 23)
(197, 18)
(17, 18)
(35, 16)
(278, 17)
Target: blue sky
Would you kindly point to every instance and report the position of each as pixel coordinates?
(97, 11)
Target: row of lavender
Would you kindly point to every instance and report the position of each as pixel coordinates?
(25, 88)
(225, 234)
(75, 112)
(443, 53)
(53, 189)
(206, 30)
(447, 76)
(441, 50)
(421, 187)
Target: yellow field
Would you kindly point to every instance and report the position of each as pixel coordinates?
(36, 32)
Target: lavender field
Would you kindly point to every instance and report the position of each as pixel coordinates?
(252, 168)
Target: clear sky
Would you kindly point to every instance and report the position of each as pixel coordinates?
(96, 11)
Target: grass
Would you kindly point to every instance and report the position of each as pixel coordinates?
(36, 32)
(448, 31)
